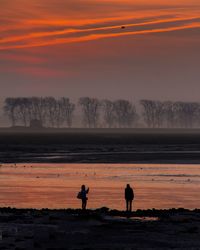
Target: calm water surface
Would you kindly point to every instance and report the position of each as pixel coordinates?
(56, 185)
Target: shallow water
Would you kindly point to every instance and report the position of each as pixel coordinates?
(56, 185)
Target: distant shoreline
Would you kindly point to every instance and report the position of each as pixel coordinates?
(22, 129)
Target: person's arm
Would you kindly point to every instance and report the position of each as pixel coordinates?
(87, 191)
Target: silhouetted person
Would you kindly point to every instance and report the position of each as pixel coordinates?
(129, 196)
(83, 196)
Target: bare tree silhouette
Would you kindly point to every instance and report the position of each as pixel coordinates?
(10, 109)
(125, 113)
(109, 113)
(91, 111)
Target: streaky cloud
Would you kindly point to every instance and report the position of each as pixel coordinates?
(82, 34)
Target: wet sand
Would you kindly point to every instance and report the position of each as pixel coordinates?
(100, 145)
(100, 229)
(56, 185)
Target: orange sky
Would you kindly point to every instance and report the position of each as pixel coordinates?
(31, 24)
(81, 43)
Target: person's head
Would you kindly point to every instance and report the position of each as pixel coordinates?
(128, 185)
(83, 187)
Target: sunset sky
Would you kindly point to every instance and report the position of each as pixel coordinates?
(78, 47)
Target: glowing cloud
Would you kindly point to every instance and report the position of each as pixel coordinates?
(44, 29)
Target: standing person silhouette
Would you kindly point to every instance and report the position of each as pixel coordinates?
(83, 196)
(129, 196)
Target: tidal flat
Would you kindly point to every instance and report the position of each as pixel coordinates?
(99, 229)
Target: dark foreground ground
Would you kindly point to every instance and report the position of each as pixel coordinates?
(100, 146)
(99, 229)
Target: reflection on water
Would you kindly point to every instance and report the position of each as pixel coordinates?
(56, 185)
(119, 218)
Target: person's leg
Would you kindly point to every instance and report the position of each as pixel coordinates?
(82, 204)
(130, 206)
(127, 205)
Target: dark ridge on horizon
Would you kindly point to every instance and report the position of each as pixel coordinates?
(139, 130)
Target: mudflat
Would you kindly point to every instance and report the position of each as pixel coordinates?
(100, 145)
(99, 229)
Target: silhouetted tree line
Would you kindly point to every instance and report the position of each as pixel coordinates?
(169, 114)
(52, 112)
